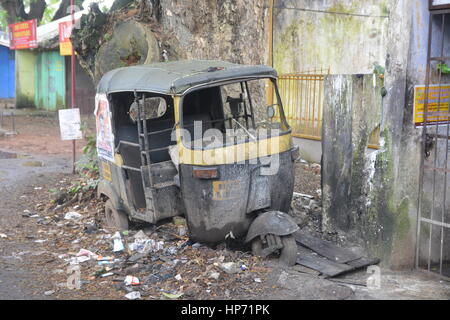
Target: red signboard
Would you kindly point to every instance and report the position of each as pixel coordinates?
(65, 46)
(22, 35)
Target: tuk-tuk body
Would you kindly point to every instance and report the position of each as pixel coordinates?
(161, 166)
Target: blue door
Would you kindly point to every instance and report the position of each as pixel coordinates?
(7, 73)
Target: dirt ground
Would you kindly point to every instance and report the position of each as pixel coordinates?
(38, 242)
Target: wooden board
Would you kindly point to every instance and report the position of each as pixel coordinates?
(363, 262)
(325, 266)
(325, 248)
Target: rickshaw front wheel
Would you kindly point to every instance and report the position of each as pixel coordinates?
(115, 219)
(288, 247)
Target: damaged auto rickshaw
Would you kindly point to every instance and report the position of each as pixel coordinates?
(193, 139)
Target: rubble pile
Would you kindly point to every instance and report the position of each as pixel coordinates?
(82, 259)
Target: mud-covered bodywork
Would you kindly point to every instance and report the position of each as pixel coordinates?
(195, 138)
(231, 202)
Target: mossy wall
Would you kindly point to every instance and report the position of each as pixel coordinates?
(348, 37)
(383, 186)
(25, 78)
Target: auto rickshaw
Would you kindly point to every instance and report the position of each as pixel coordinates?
(195, 139)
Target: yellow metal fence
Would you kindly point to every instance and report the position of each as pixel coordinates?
(303, 95)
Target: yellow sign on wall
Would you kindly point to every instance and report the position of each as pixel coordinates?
(438, 104)
(65, 48)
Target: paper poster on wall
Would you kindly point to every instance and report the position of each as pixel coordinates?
(65, 46)
(70, 124)
(105, 137)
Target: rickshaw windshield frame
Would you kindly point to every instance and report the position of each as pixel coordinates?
(286, 129)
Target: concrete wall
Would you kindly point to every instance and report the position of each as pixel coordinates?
(374, 198)
(310, 150)
(25, 78)
(352, 109)
(346, 36)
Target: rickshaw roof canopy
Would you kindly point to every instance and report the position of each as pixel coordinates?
(178, 76)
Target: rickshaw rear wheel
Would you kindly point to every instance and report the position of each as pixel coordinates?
(288, 254)
(115, 219)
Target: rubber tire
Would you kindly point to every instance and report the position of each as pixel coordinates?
(115, 219)
(288, 256)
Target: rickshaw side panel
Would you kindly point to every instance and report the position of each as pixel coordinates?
(112, 185)
(165, 194)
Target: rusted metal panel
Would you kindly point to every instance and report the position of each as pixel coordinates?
(50, 81)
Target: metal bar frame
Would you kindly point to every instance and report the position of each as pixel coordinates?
(430, 125)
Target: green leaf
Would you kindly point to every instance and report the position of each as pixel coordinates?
(172, 296)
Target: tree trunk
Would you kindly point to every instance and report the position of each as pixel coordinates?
(145, 31)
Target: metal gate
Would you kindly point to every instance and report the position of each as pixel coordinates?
(433, 227)
(302, 96)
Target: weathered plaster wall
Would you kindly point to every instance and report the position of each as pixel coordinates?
(25, 78)
(381, 189)
(352, 109)
(346, 36)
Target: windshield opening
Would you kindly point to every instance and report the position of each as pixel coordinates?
(230, 114)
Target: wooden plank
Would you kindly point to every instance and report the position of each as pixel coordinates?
(363, 262)
(325, 248)
(325, 266)
(306, 270)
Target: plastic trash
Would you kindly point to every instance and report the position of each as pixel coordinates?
(131, 281)
(78, 260)
(178, 277)
(146, 245)
(107, 274)
(140, 235)
(134, 295)
(171, 251)
(72, 216)
(230, 267)
(117, 242)
(86, 253)
(215, 275)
